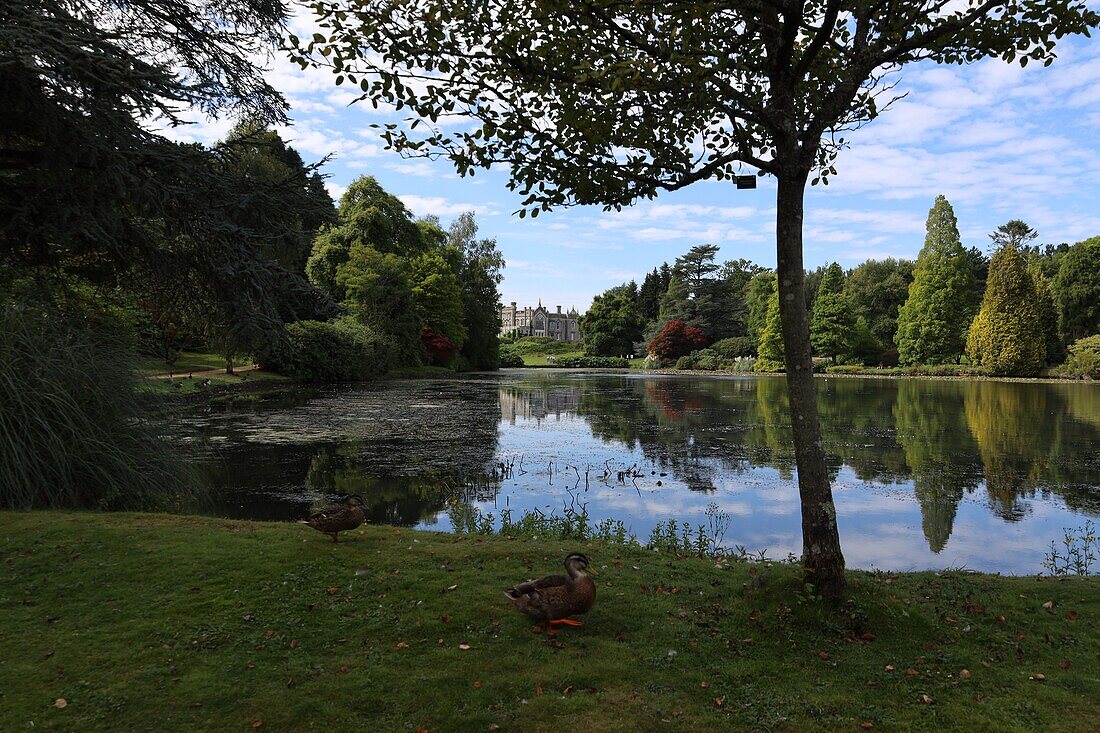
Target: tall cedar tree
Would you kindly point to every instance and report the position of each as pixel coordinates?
(87, 190)
(1077, 290)
(933, 322)
(653, 287)
(770, 356)
(832, 325)
(1007, 335)
(606, 102)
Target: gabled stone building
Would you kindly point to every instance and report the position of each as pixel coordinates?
(540, 322)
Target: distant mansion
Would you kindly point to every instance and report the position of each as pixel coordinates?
(540, 322)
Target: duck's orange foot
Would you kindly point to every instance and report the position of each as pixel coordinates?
(566, 622)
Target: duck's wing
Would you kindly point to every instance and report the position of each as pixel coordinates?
(534, 587)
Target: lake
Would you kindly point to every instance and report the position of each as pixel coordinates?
(926, 473)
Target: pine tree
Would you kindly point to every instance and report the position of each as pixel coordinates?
(832, 323)
(1007, 336)
(769, 356)
(933, 322)
(1048, 313)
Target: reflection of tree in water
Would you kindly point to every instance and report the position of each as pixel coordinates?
(1012, 426)
(397, 500)
(939, 451)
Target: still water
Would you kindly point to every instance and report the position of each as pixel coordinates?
(926, 474)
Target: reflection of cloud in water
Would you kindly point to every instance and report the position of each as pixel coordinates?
(911, 459)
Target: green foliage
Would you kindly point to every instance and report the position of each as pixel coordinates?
(1048, 313)
(592, 362)
(932, 323)
(1077, 290)
(613, 324)
(509, 359)
(436, 295)
(379, 293)
(875, 291)
(708, 296)
(542, 346)
(861, 343)
(735, 347)
(1007, 335)
(1084, 359)
(653, 288)
(832, 322)
(758, 295)
(1080, 549)
(73, 432)
(331, 351)
(479, 277)
(769, 354)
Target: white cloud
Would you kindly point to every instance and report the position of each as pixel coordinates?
(439, 206)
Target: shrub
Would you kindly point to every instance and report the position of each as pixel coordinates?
(330, 351)
(844, 369)
(542, 346)
(1084, 359)
(685, 362)
(73, 431)
(439, 349)
(509, 359)
(592, 362)
(677, 339)
(735, 347)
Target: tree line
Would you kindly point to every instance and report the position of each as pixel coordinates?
(1012, 313)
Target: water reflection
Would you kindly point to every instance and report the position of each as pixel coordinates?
(927, 473)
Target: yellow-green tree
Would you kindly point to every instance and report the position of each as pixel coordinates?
(1007, 336)
(769, 355)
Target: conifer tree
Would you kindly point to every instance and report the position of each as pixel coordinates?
(769, 355)
(932, 324)
(1048, 313)
(832, 322)
(1007, 335)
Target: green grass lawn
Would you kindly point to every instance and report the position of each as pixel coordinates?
(153, 622)
(184, 386)
(188, 361)
(544, 359)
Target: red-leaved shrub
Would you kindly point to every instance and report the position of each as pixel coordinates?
(677, 339)
(438, 347)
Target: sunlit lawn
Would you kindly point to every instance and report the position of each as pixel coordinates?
(140, 622)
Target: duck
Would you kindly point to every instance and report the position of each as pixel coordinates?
(552, 599)
(333, 520)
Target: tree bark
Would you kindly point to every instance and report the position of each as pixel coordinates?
(822, 559)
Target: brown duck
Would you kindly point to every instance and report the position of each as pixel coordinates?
(551, 600)
(338, 518)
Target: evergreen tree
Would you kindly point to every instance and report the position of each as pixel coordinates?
(758, 295)
(1077, 290)
(1015, 233)
(769, 355)
(1048, 313)
(832, 322)
(649, 297)
(1007, 335)
(933, 321)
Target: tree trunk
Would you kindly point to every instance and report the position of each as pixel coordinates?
(821, 555)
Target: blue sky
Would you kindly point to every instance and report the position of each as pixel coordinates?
(999, 141)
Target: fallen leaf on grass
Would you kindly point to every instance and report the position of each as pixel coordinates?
(867, 636)
(1001, 620)
(964, 674)
(464, 647)
(332, 591)
(926, 699)
(1038, 677)
(538, 690)
(445, 619)
(257, 724)
(889, 668)
(452, 587)
(867, 725)
(293, 643)
(1064, 664)
(60, 702)
(1071, 615)
(823, 655)
(568, 691)
(1048, 605)
(911, 672)
(401, 645)
(477, 684)
(718, 701)
(704, 684)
